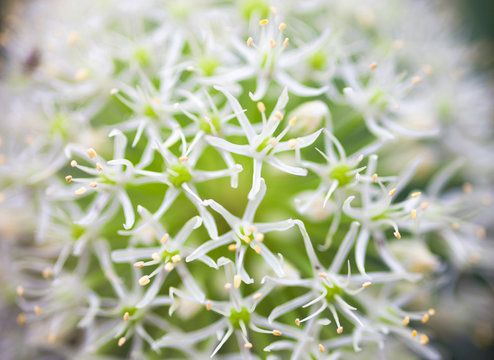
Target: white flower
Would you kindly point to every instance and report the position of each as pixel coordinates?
(263, 146)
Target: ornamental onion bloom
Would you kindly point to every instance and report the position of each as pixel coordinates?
(147, 203)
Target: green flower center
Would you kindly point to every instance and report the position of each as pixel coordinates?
(263, 145)
(179, 174)
(207, 127)
(143, 57)
(379, 99)
(332, 292)
(237, 316)
(167, 255)
(208, 65)
(341, 174)
(318, 60)
(77, 231)
(149, 111)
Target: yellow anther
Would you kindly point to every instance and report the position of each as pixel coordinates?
(406, 320)
(425, 318)
(272, 43)
(21, 319)
(397, 235)
(286, 42)
(250, 42)
(373, 66)
(176, 258)
(279, 115)
(99, 167)
(374, 178)
(297, 321)
(37, 310)
(68, 178)
(143, 281)
(321, 348)
(183, 158)
(80, 191)
(424, 205)
(19, 290)
(248, 345)
(126, 316)
(263, 22)
(467, 188)
(169, 267)
(139, 264)
(292, 143)
(155, 256)
(277, 333)
(93, 184)
(392, 192)
(208, 305)
(424, 339)
(414, 333)
(259, 237)
(73, 163)
(121, 341)
(415, 194)
(261, 107)
(455, 226)
(91, 153)
(246, 239)
(431, 312)
(232, 247)
(416, 79)
(165, 239)
(339, 330)
(257, 249)
(228, 286)
(73, 37)
(323, 275)
(481, 232)
(46, 273)
(52, 338)
(273, 10)
(414, 214)
(257, 296)
(366, 284)
(292, 121)
(237, 280)
(282, 26)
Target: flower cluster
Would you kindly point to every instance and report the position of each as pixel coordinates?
(247, 179)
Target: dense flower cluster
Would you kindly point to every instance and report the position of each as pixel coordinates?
(248, 179)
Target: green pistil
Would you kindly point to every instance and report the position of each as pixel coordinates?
(251, 7)
(77, 231)
(149, 112)
(167, 255)
(59, 125)
(341, 174)
(208, 127)
(263, 145)
(237, 316)
(208, 65)
(332, 292)
(318, 60)
(242, 231)
(379, 99)
(179, 174)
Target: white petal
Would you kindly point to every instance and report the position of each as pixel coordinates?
(242, 119)
(286, 168)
